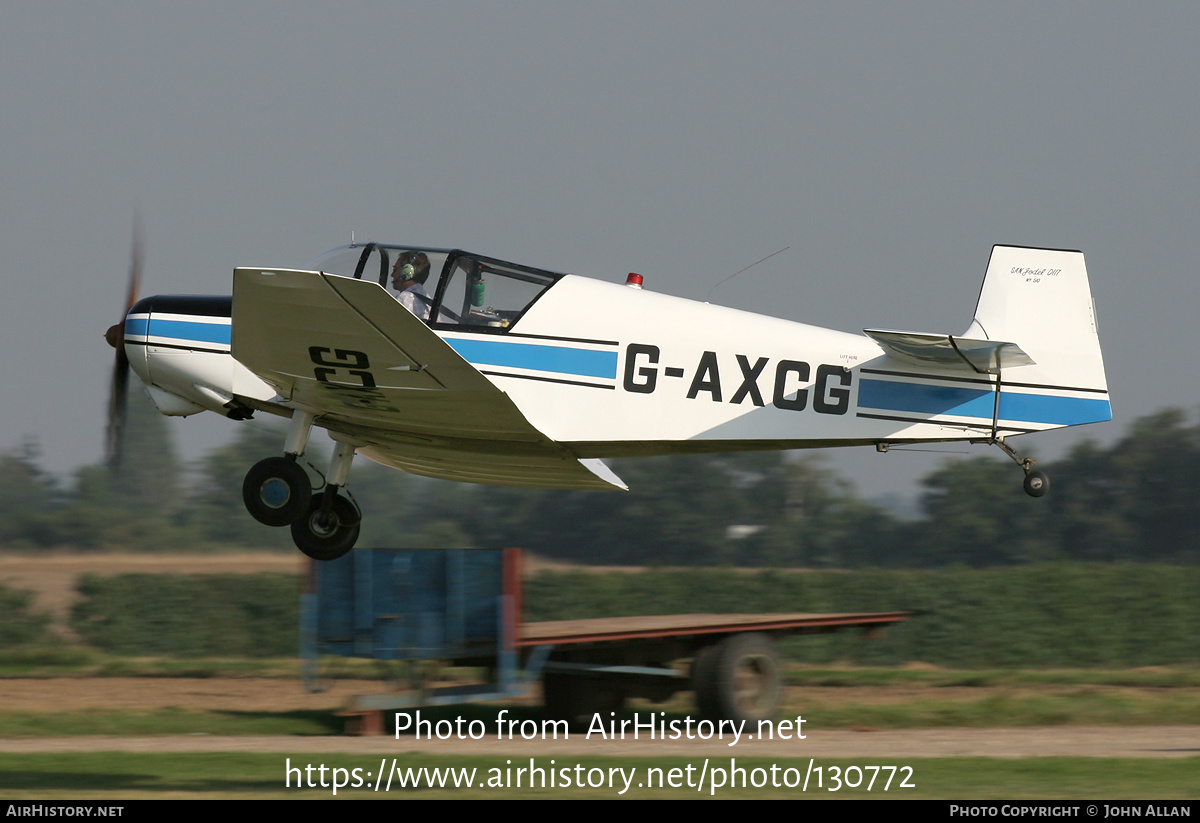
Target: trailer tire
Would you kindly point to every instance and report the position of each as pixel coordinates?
(704, 666)
(737, 679)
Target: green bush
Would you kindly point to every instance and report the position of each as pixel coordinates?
(1055, 615)
(18, 627)
(226, 615)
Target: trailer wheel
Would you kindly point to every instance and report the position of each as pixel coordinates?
(737, 679)
(577, 699)
(704, 666)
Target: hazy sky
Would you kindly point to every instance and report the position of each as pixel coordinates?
(890, 145)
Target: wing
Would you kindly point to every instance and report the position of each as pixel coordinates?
(348, 351)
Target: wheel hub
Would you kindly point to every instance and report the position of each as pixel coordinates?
(275, 493)
(324, 525)
(752, 683)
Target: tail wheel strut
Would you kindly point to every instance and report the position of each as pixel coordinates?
(1036, 482)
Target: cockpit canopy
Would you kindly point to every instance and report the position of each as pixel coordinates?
(444, 287)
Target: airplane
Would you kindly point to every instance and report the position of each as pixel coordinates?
(456, 365)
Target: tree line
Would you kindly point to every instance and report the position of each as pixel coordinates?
(1128, 501)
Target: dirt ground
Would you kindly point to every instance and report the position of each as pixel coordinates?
(273, 694)
(270, 694)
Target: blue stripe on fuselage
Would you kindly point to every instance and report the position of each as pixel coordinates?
(962, 402)
(178, 329)
(536, 356)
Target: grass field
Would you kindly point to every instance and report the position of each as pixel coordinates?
(157, 708)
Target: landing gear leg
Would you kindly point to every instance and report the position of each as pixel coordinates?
(277, 491)
(330, 526)
(1036, 483)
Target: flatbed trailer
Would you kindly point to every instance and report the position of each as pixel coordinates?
(462, 607)
(594, 665)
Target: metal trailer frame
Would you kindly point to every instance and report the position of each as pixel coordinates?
(463, 606)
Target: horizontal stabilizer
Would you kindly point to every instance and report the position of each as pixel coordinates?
(948, 351)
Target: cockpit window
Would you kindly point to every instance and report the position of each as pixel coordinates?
(487, 294)
(340, 261)
(376, 262)
(442, 287)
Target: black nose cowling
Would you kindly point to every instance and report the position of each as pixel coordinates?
(115, 334)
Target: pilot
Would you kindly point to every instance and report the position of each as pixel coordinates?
(408, 277)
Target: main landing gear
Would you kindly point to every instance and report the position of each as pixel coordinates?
(277, 492)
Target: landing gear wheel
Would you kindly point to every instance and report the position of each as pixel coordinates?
(276, 491)
(738, 679)
(1036, 484)
(327, 538)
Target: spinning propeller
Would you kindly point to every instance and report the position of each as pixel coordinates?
(120, 374)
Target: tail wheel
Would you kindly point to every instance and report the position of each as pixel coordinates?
(1036, 484)
(276, 491)
(328, 536)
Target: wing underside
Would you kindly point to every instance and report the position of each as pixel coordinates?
(378, 377)
(506, 467)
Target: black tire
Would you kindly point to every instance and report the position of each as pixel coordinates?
(704, 667)
(1036, 484)
(740, 682)
(276, 491)
(331, 540)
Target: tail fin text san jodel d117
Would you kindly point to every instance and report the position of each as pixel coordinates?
(460, 366)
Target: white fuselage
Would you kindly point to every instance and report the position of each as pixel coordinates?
(605, 369)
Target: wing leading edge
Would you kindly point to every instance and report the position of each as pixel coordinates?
(347, 351)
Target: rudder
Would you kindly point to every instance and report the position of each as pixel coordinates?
(1040, 299)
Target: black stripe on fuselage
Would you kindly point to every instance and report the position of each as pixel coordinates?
(901, 419)
(981, 380)
(201, 305)
(158, 345)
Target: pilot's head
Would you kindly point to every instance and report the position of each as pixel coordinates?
(411, 268)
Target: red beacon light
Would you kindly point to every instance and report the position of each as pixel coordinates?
(634, 280)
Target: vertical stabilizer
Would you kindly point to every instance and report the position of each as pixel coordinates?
(1040, 300)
